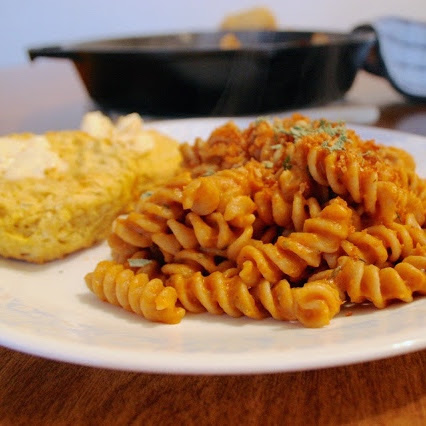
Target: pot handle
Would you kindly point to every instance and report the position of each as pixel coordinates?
(373, 62)
(52, 52)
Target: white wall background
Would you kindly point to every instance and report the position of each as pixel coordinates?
(28, 23)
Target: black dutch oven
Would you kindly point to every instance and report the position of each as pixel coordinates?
(190, 74)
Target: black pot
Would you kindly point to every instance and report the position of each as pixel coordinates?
(189, 74)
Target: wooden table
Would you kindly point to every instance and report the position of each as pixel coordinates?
(48, 95)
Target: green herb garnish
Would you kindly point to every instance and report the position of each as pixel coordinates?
(261, 119)
(304, 129)
(209, 172)
(278, 128)
(268, 164)
(146, 194)
(287, 163)
(138, 263)
(338, 145)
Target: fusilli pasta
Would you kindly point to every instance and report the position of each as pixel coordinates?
(313, 304)
(286, 219)
(362, 281)
(120, 286)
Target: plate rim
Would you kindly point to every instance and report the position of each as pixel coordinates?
(214, 364)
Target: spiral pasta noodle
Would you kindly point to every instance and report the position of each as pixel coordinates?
(274, 208)
(229, 147)
(288, 219)
(347, 174)
(150, 216)
(380, 244)
(214, 204)
(366, 282)
(113, 283)
(290, 256)
(313, 304)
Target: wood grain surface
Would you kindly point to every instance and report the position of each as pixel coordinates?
(386, 392)
(36, 391)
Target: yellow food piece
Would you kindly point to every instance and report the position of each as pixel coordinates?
(159, 164)
(229, 41)
(73, 207)
(257, 18)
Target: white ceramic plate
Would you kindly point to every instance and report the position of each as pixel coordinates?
(48, 311)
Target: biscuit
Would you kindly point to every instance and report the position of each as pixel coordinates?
(61, 191)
